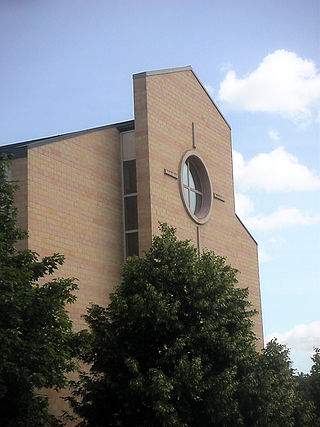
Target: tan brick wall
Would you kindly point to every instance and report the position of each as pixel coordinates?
(74, 208)
(171, 102)
(142, 165)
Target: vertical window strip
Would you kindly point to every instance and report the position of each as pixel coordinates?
(129, 201)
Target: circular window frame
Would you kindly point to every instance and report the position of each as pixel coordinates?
(206, 203)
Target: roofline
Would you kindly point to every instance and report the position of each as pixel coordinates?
(177, 70)
(19, 149)
(162, 71)
(247, 230)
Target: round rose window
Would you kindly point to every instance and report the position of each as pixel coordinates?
(195, 187)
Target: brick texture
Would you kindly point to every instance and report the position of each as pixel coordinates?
(70, 201)
(74, 208)
(166, 105)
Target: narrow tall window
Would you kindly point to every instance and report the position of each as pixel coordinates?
(129, 189)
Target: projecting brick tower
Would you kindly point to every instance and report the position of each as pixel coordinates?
(180, 134)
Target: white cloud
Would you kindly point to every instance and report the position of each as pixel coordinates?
(263, 255)
(301, 337)
(273, 134)
(277, 240)
(226, 66)
(243, 204)
(282, 218)
(282, 83)
(209, 89)
(273, 172)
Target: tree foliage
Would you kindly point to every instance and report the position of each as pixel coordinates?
(308, 389)
(175, 347)
(314, 383)
(273, 397)
(37, 344)
(174, 344)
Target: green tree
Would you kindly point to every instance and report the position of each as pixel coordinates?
(174, 345)
(273, 396)
(36, 339)
(314, 383)
(308, 387)
(276, 386)
(304, 411)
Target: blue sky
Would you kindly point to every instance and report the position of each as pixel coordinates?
(67, 65)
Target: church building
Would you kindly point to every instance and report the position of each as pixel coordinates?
(97, 195)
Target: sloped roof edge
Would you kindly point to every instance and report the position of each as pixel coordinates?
(19, 149)
(177, 70)
(246, 230)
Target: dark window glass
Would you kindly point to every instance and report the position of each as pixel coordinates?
(131, 213)
(198, 203)
(194, 178)
(132, 244)
(129, 177)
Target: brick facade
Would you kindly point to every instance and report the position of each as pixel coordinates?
(74, 208)
(166, 105)
(70, 196)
